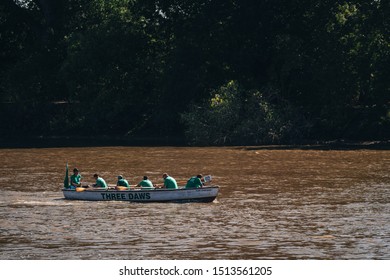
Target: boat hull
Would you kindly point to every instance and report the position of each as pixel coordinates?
(206, 194)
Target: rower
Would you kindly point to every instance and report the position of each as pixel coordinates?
(100, 183)
(146, 184)
(194, 182)
(122, 183)
(169, 182)
(75, 179)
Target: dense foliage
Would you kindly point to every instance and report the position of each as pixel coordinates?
(234, 116)
(215, 71)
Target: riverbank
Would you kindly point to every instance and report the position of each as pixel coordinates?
(104, 141)
(81, 141)
(329, 145)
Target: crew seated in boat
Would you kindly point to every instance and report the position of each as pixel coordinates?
(194, 182)
(169, 182)
(100, 183)
(75, 179)
(122, 182)
(145, 184)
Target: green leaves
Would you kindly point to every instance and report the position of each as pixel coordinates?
(235, 116)
(135, 67)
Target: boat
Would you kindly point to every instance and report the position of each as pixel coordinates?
(204, 194)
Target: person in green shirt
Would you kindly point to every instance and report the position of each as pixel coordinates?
(169, 182)
(122, 182)
(100, 183)
(75, 179)
(146, 184)
(194, 182)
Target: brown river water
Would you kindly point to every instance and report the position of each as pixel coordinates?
(273, 204)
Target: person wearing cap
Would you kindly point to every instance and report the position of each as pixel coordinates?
(145, 183)
(169, 182)
(122, 182)
(75, 179)
(100, 183)
(194, 182)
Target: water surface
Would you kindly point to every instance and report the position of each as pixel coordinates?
(273, 204)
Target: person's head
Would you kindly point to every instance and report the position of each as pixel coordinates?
(120, 177)
(95, 175)
(75, 171)
(165, 175)
(146, 178)
(199, 176)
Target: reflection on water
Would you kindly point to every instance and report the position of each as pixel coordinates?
(273, 204)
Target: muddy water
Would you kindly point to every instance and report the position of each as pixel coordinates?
(273, 204)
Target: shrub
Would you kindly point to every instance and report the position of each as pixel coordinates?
(234, 116)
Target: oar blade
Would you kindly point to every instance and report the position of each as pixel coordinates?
(66, 179)
(207, 178)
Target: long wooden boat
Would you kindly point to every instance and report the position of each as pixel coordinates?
(204, 194)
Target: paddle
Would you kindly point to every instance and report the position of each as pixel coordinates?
(207, 178)
(118, 188)
(66, 179)
(121, 188)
